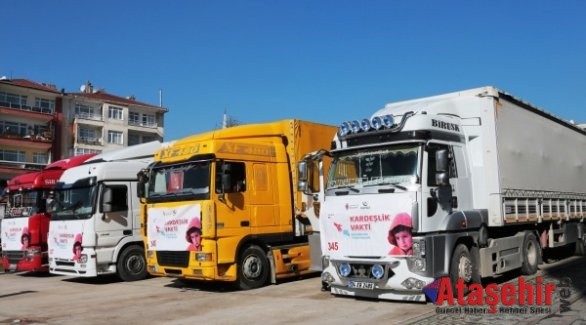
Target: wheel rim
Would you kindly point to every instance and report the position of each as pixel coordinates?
(465, 268)
(252, 267)
(135, 264)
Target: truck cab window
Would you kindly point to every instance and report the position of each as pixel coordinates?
(119, 196)
(237, 174)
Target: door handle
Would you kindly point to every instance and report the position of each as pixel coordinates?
(127, 232)
(245, 223)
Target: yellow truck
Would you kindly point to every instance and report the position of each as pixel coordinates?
(224, 205)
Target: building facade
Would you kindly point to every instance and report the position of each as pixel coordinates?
(29, 115)
(96, 121)
(40, 125)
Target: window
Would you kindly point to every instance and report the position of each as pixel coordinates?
(13, 128)
(133, 118)
(85, 133)
(12, 100)
(12, 155)
(40, 157)
(119, 194)
(83, 151)
(115, 137)
(46, 105)
(148, 120)
(115, 113)
(85, 111)
(233, 173)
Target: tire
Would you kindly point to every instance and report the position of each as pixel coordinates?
(580, 248)
(462, 266)
(131, 264)
(253, 268)
(530, 254)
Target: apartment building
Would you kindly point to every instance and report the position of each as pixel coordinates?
(97, 121)
(40, 124)
(29, 116)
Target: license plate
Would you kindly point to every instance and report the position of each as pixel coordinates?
(12, 267)
(361, 285)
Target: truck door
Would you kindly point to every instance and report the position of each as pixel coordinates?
(233, 215)
(114, 220)
(438, 201)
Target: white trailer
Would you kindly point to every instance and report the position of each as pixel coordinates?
(464, 185)
(95, 228)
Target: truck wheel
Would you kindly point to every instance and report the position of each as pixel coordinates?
(132, 264)
(580, 248)
(253, 268)
(462, 266)
(531, 252)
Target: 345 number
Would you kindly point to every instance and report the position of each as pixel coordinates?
(333, 246)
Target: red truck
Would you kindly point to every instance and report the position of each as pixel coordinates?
(26, 222)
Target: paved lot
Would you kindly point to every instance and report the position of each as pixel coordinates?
(43, 299)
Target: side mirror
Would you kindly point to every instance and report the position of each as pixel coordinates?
(302, 184)
(441, 166)
(141, 185)
(107, 200)
(441, 161)
(442, 179)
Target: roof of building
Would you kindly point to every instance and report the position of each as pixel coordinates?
(31, 84)
(106, 97)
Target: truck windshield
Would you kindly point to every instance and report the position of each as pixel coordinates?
(189, 181)
(73, 203)
(392, 167)
(23, 203)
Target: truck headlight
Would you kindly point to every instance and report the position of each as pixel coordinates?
(83, 259)
(203, 257)
(418, 247)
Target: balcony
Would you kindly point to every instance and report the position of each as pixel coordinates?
(36, 109)
(88, 116)
(42, 140)
(152, 125)
(21, 165)
(90, 141)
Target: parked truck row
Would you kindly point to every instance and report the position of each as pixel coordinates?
(465, 185)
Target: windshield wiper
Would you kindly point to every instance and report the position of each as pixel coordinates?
(395, 185)
(345, 187)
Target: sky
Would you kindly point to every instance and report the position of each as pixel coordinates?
(326, 61)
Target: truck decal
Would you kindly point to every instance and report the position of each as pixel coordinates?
(248, 149)
(172, 229)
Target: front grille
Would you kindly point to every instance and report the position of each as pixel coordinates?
(172, 258)
(14, 256)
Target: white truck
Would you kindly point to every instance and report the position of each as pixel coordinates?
(464, 185)
(95, 228)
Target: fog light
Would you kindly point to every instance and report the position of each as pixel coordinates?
(327, 277)
(377, 122)
(355, 126)
(344, 129)
(412, 283)
(344, 269)
(388, 121)
(365, 125)
(378, 271)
